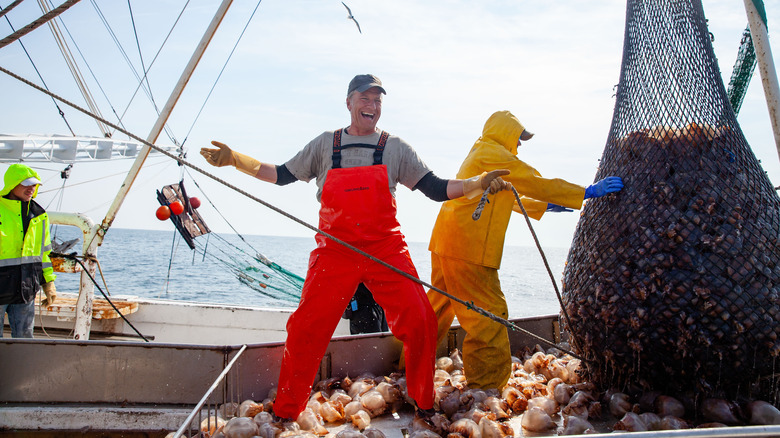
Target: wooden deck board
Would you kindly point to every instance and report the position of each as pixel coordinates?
(65, 307)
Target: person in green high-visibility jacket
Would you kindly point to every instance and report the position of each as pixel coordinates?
(25, 244)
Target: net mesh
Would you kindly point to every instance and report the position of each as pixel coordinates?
(673, 283)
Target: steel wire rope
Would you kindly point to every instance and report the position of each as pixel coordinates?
(70, 62)
(96, 179)
(59, 110)
(140, 79)
(140, 52)
(478, 213)
(241, 35)
(91, 278)
(10, 7)
(166, 127)
(181, 161)
(92, 73)
(37, 23)
(124, 55)
(146, 182)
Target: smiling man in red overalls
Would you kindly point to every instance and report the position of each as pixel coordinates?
(357, 169)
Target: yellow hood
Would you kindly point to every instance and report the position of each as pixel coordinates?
(457, 235)
(504, 129)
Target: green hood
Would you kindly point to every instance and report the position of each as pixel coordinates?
(15, 174)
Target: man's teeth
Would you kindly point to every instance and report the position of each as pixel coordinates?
(371, 116)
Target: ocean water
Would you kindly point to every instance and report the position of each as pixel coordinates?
(159, 264)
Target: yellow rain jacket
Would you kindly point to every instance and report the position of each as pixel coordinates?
(466, 254)
(24, 258)
(456, 235)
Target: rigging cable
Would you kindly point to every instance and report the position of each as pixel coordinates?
(59, 110)
(478, 213)
(166, 127)
(469, 305)
(174, 245)
(241, 35)
(94, 77)
(86, 271)
(9, 7)
(140, 79)
(72, 66)
(37, 23)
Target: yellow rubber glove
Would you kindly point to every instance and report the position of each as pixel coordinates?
(224, 156)
(51, 294)
(475, 186)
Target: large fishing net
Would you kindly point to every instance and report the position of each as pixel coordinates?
(673, 283)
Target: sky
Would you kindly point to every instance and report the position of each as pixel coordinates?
(446, 66)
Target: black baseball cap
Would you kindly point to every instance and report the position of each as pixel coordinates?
(362, 83)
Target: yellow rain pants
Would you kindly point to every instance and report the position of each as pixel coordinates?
(487, 360)
(466, 254)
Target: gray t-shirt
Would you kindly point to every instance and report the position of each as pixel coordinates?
(313, 161)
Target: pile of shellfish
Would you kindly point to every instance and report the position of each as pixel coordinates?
(544, 396)
(674, 282)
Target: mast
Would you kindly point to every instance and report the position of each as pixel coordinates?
(758, 29)
(95, 239)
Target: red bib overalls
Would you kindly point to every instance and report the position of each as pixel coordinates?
(357, 207)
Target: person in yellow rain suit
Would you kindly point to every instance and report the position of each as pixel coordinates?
(466, 254)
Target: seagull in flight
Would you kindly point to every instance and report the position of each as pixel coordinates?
(352, 17)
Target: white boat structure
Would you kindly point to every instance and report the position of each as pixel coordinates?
(97, 376)
(159, 320)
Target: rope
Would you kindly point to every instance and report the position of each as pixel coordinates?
(70, 62)
(37, 23)
(478, 213)
(59, 110)
(86, 271)
(213, 86)
(9, 7)
(181, 161)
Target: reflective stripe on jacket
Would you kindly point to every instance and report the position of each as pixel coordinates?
(24, 259)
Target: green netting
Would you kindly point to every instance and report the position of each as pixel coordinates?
(743, 71)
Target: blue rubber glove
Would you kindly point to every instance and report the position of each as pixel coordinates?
(555, 208)
(609, 184)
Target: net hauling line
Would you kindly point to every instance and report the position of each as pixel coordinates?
(478, 213)
(181, 161)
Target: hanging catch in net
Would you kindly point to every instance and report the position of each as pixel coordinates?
(673, 283)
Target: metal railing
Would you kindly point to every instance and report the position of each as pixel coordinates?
(197, 410)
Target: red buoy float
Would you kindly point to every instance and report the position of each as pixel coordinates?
(163, 213)
(176, 207)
